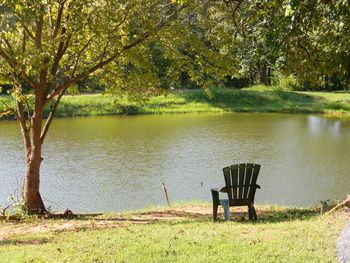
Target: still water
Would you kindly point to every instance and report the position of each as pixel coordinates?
(116, 163)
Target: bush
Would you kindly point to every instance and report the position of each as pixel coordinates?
(15, 207)
(289, 82)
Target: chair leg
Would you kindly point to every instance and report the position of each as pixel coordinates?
(225, 203)
(250, 214)
(254, 216)
(227, 214)
(215, 211)
(216, 201)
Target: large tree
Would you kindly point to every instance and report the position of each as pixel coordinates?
(46, 46)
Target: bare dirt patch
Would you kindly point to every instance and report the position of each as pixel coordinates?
(12, 229)
(9, 230)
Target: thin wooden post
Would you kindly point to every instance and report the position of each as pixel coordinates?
(165, 191)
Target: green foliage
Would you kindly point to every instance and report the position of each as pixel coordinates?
(308, 39)
(6, 107)
(131, 47)
(90, 84)
(324, 205)
(15, 207)
(200, 46)
(288, 83)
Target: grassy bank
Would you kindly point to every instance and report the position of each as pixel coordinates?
(255, 99)
(183, 233)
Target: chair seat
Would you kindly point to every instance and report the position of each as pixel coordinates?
(240, 202)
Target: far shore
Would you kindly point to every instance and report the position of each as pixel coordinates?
(254, 99)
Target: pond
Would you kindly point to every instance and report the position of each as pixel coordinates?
(116, 163)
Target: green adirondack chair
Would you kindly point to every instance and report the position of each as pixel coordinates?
(240, 187)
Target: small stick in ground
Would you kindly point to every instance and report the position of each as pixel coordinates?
(165, 191)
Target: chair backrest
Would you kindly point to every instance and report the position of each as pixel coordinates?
(240, 180)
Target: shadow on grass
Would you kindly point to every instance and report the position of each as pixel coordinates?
(183, 215)
(232, 100)
(288, 214)
(265, 215)
(19, 242)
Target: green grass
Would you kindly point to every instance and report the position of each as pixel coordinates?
(254, 99)
(281, 235)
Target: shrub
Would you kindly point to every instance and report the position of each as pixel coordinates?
(289, 82)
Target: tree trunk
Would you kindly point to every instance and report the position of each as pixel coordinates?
(31, 185)
(31, 193)
(263, 75)
(269, 74)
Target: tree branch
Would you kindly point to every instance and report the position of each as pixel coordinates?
(58, 19)
(7, 109)
(49, 10)
(13, 64)
(28, 79)
(30, 34)
(306, 51)
(50, 118)
(7, 43)
(7, 58)
(39, 31)
(62, 47)
(235, 6)
(79, 54)
(104, 50)
(24, 42)
(100, 65)
(25, 131)
(19, 112)
(119, 24)
(86, 73)
(103, 63)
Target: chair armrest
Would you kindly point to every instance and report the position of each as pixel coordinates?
(223, 190)
(258, 186)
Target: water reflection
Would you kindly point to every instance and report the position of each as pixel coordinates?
(319, 125)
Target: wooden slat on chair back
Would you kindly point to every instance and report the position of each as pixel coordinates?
(239, 179)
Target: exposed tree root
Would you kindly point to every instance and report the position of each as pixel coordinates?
(67, 214)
